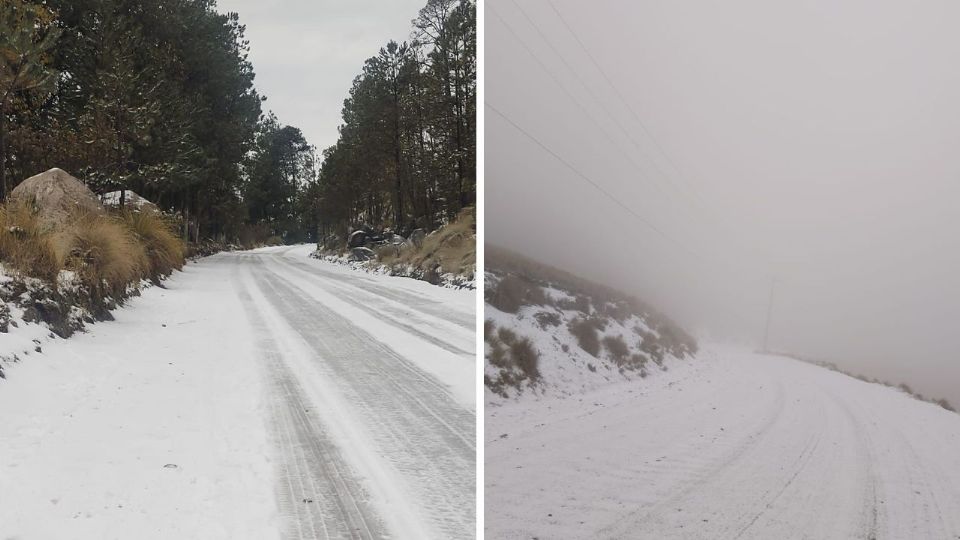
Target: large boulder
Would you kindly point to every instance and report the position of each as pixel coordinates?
(357, 239)
(56, 195)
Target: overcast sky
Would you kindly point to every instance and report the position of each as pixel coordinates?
(307, 52)
(816, 141)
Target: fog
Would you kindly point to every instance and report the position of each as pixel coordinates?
(307, 52)
(816, 144)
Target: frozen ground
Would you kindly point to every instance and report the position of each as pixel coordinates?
(730, 445)
(260, 395)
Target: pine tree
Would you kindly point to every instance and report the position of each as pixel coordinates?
(26, 39)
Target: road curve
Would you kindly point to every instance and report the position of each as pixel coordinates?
(734, 446)
(369, 442)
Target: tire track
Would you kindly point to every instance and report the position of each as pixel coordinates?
(319, 495)
(635, 520)
(394, 315)
(427, 437)
(429, 307)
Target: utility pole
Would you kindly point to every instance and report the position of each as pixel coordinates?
(766, 331)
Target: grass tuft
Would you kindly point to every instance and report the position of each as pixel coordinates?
(157, 235)
(26, 244)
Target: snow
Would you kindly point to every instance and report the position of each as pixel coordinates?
(89, 425)
(731, 444)
(130, 198)
(260, 394)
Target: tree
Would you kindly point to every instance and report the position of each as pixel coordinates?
(280, 166)
(406, 152)
(26, 39)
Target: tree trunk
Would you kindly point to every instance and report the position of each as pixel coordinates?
(396, 158)
(3, 153)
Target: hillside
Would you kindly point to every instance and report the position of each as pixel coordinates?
(549, 332)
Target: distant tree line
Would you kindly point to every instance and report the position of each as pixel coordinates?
(407, 148)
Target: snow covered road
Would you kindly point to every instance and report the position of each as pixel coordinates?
(731, 446)
(262, 395)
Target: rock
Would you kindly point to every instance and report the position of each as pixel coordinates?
(360, 254)
(56, 195)
(417, 237)
(357, 239)
(130, 201)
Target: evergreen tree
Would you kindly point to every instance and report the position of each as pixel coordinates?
(26, 38)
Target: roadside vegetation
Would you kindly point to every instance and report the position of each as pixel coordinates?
(903, 387)
(583, 330)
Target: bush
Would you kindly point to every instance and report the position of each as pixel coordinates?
(164, 249)
(585, 330)
(506, 335)
(945, 404)
(547, 318)
(513, 292)
(104, 253)
(26, 245)
(526, 358)
(653, 349)
(581, 303)
(617, 348)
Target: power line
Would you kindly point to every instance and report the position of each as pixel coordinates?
(614, 87)
(589, 92)
(699, 205)
(586, 178)
(569, 95)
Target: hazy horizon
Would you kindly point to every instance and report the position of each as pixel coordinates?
(731, 145)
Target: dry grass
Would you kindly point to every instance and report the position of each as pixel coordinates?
(107, 252)
(453, 247)
(26, 244)
(158, 236)
(104, 253)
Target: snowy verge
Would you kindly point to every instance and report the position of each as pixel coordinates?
(448, 280)
(141, 427)
(34, 312)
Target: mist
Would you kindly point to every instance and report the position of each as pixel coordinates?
(700, 154)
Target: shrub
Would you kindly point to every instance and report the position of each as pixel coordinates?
(617, 348)
(104, 253)
(945, 404)
(251, 236)
(26, 245)
(581, 303)
(513, 292)
(488, 328)
(585, 331)
(653, 349)
(157, 235)
(506, 335)
(526, 358)
(547, 318)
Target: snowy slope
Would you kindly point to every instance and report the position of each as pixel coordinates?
(260, 395)
(547, 333)
(731, 445)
